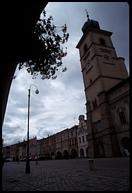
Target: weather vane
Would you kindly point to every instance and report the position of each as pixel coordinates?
(87, 14)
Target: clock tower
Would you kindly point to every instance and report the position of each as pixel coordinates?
(102, 70)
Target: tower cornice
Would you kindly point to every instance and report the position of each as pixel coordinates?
(90, 29)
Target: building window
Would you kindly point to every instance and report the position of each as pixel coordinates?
(122, 117)
(88, 54)
(94, 104)
(97, 125)
(105, 50)
(85, 48)
(87, 137)
(79, 139)
(89, 106)
(106, 57)
(90, 66)
(102, 42)
(90, 80)
(83, 138)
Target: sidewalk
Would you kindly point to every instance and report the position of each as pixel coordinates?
(68, 175)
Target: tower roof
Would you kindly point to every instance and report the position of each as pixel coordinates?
(90, 23)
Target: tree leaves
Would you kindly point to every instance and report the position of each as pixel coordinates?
(48, 59)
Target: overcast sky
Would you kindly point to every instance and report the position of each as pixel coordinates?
(61, 101)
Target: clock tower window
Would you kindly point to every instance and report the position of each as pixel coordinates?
(85, 48)
(102, 42)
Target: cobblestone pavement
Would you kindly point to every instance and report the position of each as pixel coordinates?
(110, 174)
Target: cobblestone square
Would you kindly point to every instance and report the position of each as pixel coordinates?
(109, 174)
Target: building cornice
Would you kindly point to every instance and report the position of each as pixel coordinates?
(100, 31)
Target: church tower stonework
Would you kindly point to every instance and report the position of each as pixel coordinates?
(102, 70)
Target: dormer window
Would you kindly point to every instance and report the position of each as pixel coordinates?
(102, 42)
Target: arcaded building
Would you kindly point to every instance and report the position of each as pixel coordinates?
(66, 143)
(106, 84)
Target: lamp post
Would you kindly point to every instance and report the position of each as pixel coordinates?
(27, 170)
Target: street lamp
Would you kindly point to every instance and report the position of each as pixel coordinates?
(27, 170)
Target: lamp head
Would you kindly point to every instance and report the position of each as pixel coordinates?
(37, 91)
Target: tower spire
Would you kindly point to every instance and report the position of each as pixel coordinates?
(87, 14)
(89, 23)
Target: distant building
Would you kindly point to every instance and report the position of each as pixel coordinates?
(62, 144)
(66, 143)
(40, 148)
(49, 147)
(58, 151)
(14, 149)
(82, 137)
(33, 148)
(106, 85)
(6, 152)
(18, 151)
(22, 150)
(73, 145)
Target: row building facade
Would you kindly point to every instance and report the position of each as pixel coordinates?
(62, 145)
